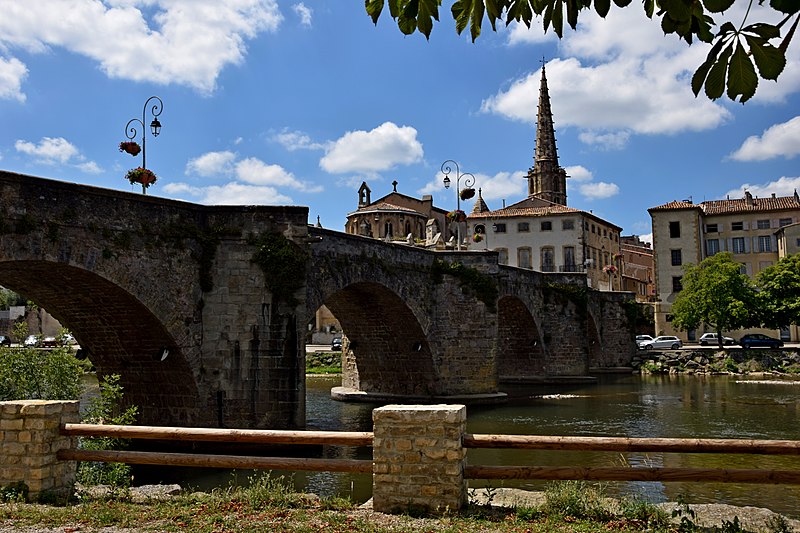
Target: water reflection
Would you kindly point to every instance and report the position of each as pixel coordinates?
(634, 406)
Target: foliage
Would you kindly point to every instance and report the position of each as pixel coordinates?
(141, 175)
(106, 408)
(19, 331)
(283, 263)
(15, 492)
(741, 53)
(715, 292)
(483, 286)
(9, 298)
(130, 147)
(779, 295)
(31, 374)
(644, 513)
(576, 499)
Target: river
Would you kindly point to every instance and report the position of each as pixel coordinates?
(630, 405)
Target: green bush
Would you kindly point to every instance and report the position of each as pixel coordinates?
(31, 374)
(106, 408)
(576, 499)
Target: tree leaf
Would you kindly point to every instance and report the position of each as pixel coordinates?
(742, 79)
(602, 7)
(428, 11)
(649, 7)
(622, 3)
(572, 12)
(769, 60)
(767, 31)
(476, 19)
(718, 6)
(558, 18)
(374, 8)
(701, 73)
(715, 82)
(461, 11)
(493, 10)
(785, 6)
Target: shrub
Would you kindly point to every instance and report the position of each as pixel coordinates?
(577, 499)
(31, 374)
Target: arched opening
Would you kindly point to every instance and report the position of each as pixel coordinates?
(520, 354)
(385, 350)
(118, 333)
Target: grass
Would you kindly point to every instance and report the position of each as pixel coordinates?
(270, 504)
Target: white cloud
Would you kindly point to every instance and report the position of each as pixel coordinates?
(12, 74)
(615, 140)
(780, 140)
(212, 164)
(648, 238)
(232, 193)
(57, 151)
(380, 149)
(256, 172)
(503, 185)
(304, 13)
(297, 140)
(598, 190)
(186, 42)
(785, 186)
(579, 173)
(50, 150)
(521, 34)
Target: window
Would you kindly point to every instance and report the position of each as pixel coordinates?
(784, 222)
(763, 224)
(499, 228)
(524, 257)
(567, 224)
(764, 243)
(712, 247)
(502, 256)
(711, 228)
(569, 259)
(737, 245)
(676, 284)
(593, 231)
(675, 230)
(737, 226)
(548, 259)
(522, 227)
(605, 233)
(677, 260)
(594, 257)
(547, 225)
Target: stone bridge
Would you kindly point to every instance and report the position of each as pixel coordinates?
(203, 310)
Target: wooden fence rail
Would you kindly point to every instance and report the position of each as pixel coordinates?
(522, 442)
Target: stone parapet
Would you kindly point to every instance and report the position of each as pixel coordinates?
(30, 440)
(419, 458)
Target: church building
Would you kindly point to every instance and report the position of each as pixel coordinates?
(541, 232)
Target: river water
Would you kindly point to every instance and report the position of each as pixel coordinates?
(629, 405)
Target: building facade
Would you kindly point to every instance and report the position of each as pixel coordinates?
(757, 231)
(637, 268)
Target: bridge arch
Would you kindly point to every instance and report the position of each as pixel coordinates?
(386, 352)
(520, 350)
(119, 334)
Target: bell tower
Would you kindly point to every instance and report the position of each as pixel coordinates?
(546, 179)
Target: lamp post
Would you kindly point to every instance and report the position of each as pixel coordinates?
(155, 128)
(469, 181)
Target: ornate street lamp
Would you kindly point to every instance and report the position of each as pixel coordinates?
(466, 193)
(155, 129)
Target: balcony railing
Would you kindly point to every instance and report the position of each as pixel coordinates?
(571, 268)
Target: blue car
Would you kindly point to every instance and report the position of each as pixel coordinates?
(754, 340)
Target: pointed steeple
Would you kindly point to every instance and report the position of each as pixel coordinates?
(480, 205)
(546, 179)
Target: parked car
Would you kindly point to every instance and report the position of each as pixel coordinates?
(641, 339)
(712, 338)
(662, 342)
(753, 340)
(336, 344)
(31, 341)
(49, 342)
(5, 341)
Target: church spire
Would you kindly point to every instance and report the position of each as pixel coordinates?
(546, 179)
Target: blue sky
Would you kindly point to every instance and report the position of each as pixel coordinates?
(287, 102)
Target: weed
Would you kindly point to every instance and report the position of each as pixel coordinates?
(576, 499)
(778, 524)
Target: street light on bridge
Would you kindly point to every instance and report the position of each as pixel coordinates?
(155, 129)
(461, 194)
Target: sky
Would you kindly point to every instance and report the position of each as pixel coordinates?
(277, 102)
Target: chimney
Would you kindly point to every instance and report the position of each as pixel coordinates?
(748, 198)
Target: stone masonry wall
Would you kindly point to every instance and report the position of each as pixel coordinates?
(29, 438)
(418, 458)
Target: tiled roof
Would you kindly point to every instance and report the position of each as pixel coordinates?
(384, 206)
(526, 212)
(739, 205)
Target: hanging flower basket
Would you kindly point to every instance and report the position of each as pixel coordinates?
(477, 237)
(457, 216)
(131, 147)
(141, 175)
(466, 194)
(609, 269)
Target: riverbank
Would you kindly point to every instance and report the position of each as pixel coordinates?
(726, 361)
(268, 505)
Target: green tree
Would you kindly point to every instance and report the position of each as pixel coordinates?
(742, 50)
(779, 295)
(716, 293)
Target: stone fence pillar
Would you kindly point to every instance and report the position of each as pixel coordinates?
(419, 458)
(29, 441)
